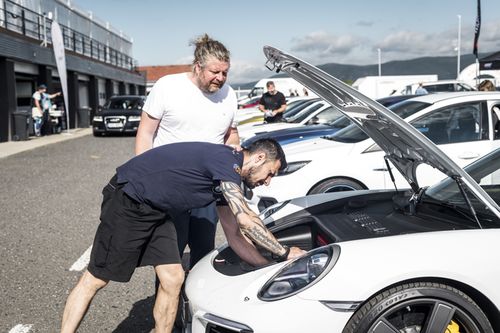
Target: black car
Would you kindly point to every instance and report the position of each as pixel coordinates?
(120, 114)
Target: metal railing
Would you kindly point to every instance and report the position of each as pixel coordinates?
(22, 20)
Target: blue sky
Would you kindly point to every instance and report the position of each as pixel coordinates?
(319, 32)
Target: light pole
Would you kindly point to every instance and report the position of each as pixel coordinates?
(458, 44)
(379, 63)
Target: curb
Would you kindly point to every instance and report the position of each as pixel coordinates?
(15, 147)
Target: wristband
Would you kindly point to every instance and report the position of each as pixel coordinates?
(284, 256)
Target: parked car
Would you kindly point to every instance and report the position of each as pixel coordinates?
(250, 103)
(416, 260)
(120, 114)
(438, 87)
(306, 132)
(316, 112)
(462, 124)
(254, 115)
(391, 100)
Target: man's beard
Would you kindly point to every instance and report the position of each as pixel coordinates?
(246, 179)
(211, 87)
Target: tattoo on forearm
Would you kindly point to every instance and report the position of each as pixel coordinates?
(234, 196)
(257, 232)
(262, 237)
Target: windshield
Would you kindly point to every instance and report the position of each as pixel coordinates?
(125, 103)
(296, 108)
(303, 114)
(486, 172)
(353, 133)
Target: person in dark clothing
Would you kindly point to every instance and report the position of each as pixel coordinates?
(166, 181)
(273, 104)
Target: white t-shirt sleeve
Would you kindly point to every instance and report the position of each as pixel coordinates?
(155, 105)
(234, 102)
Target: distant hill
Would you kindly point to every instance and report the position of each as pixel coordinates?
(444, 67)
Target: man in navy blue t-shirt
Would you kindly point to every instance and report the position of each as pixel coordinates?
(166, 181)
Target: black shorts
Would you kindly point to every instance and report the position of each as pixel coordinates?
(131, 234)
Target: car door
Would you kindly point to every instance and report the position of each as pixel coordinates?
(462, 131)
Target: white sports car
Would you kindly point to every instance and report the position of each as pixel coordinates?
(383, 261)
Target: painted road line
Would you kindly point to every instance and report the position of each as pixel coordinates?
(20, 328)
(82, 262)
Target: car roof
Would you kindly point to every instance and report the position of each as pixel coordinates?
(440, 82)
(435, 98)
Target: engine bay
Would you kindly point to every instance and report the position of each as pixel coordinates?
(371, 215)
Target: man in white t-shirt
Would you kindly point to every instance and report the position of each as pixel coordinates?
(194, 106)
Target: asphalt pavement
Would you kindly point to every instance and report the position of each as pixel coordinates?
(50, 202)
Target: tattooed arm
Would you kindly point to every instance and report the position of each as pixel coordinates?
(250, 224)
(242, 246)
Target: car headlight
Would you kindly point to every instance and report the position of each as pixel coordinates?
(300, 274)
(292, 167)
(97, 118)
(134, 118)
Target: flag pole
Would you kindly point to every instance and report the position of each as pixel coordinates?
(477, 30)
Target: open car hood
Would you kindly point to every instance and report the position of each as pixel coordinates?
(404, 145)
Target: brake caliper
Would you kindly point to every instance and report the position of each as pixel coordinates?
(453, 328)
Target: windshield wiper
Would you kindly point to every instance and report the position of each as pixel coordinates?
(461, 186)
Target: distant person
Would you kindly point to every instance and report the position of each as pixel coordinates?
(421, 90)
(272, 103)
(306, 93)
(41, 104)
(291, 93)
(486, 85)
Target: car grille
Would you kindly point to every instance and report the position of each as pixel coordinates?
(115, 122)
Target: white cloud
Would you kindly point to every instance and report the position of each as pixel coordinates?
(244, 71)
(321, 47)
(320, 44)
(184, 60)
(489, 38)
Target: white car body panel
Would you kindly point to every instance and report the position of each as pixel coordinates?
(235, 298)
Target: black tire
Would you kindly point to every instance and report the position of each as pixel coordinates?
(336, 185)
(424, 307)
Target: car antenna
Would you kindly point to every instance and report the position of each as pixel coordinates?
(461, 186)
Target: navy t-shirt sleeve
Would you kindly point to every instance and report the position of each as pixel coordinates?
(225, 166)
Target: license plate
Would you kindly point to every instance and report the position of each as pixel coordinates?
(115, 125)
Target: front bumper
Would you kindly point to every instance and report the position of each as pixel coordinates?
(226, 304)
(115, 124)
